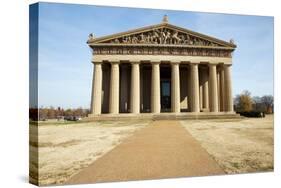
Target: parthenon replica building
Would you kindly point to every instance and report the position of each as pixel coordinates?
(162, 70)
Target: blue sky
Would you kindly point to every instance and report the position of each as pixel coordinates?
(65, 70)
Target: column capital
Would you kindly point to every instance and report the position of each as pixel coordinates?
(135, 62)
(97, 62)
(114, 62)
(212, 64)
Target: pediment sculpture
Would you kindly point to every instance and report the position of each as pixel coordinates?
(162, 36)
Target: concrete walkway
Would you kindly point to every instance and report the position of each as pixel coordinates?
(164, 149)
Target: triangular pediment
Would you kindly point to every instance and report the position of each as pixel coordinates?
(162, 34)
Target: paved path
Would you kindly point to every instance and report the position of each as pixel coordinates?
(164, 149)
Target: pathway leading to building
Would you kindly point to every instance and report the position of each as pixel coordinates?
(164, 149)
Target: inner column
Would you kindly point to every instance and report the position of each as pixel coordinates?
(213, 88)
(135, 88)
(114, 89)
(205, 83)
(222, 100)
(155, 88)
(175, 94)
(195, 107)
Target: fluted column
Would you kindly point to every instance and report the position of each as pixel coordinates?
(222, 98)
(155, 88)
(175, 95)
(141, 89)
(218, 88)
(213, 88)
(194, 88)
(114, 89)
(200, 89)
(228, 88)
(135, 88)
(96, 89)
(205, 89)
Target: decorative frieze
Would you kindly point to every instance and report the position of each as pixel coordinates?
(123, 50)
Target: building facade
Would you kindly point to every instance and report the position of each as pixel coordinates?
(161, 68)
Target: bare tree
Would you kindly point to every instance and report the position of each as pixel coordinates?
(243, 102)
(257, 104)
(267, 100)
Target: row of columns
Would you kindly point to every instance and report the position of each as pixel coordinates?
(209, 95)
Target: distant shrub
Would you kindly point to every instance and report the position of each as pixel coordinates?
(259, 114)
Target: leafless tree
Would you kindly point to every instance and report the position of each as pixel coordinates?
(267, 100)
(243, 102)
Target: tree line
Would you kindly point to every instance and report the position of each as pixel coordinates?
(244, 102)
(56, 113)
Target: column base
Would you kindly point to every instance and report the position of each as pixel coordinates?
(205, 110)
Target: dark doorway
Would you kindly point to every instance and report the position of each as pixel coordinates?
(165, 95)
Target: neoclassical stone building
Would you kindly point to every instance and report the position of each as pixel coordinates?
(161, 69)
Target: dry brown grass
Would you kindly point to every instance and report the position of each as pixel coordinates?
(239, 146)
(65, 149)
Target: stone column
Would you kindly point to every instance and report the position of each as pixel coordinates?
(114, 89)
(194, 87)
(141, 89)
(218, 88)
(205, 89)
(200, 89)
(222, 98)
(155, 88)
(228, 89)
(96, 89)
(175, 94)
(135, 88)
(213, 88)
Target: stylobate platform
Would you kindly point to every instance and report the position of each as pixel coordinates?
(163, 116)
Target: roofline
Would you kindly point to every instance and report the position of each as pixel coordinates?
(129, 32)
(142, 29)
